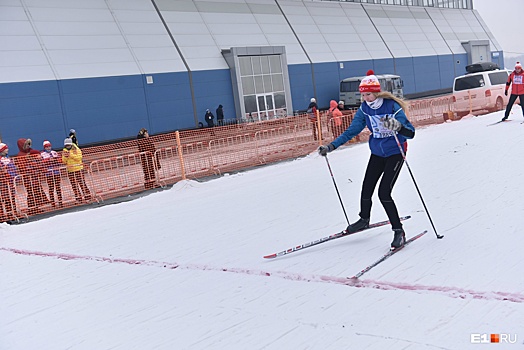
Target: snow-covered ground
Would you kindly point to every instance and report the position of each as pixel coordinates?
(183, 268)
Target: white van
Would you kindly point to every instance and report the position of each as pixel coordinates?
(480, 91)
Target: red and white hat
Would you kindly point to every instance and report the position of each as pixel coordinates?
(518, 65)
(3, 147)
(370, 83)
(47, 144)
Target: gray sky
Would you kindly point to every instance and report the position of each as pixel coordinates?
(503, 18)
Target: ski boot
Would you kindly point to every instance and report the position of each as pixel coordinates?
(399, 238)
(360, 225)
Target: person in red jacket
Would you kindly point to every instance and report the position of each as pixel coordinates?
(336, 118)
(29, 163)
(517, 90)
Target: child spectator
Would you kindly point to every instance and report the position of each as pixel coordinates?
(52, 173)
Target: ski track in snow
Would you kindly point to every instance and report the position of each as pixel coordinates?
(453, 292)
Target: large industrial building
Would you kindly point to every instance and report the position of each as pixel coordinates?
(110, 67)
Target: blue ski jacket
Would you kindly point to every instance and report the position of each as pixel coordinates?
(381, 141)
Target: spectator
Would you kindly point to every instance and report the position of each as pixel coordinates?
(336, 118)
(209, 118)
(7, 175)
(51, 161)
(341, 105)
(312, 111)
(29, 164)
(72, 158)
(150, 160)
(517, 90)
(384, 116)
(220, 115)
(72, 136)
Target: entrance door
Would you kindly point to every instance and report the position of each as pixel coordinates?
(266, 106)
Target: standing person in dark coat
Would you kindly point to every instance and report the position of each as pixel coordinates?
(312, 110)
(209, 118)
(150, 161)
(30, 166)
(72, 136)
(220, 115)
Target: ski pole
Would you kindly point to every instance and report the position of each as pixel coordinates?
(336, 188)
(416, 186)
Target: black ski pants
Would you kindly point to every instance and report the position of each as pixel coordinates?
(388, 168)
(512, 99)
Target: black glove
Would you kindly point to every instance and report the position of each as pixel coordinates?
(324, 150)
(506, 92)
(392, 124)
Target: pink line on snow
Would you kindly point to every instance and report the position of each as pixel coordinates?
(453, 292)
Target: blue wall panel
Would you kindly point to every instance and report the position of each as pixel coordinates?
(327, 83)
(104, 108)
(213, 88)
(169, 102)
(301, 85)
(460, 67)
(383, 66)
(355, 69)
(31, 110)
(426, 70)
(405, 70)
(446, 66)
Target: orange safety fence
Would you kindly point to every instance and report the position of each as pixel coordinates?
(32, 184)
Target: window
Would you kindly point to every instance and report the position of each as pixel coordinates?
(471, 82)
(498, 78)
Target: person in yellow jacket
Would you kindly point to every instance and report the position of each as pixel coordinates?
(72, 158)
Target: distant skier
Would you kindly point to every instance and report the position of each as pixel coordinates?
(517, 90)
(383, 114)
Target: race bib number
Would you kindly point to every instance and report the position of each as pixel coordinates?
(378, 129)
(517, 79)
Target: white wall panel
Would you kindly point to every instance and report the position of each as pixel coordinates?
(12, 13)
(107, 69)
(162, 66)
(80, 57)
(23, 58)
(269, 28)
(149, 41)
(143, 28)
(67, 4)
(26, 73)
(15, 28)
(39, 14)
(136, 16)
(234, 28)
(70, 42)
(195, 40)
(177, 28)
(78, 28)
(227, 41)
(19, 42)
(130, 4)
(114, 37)
(148, 54)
